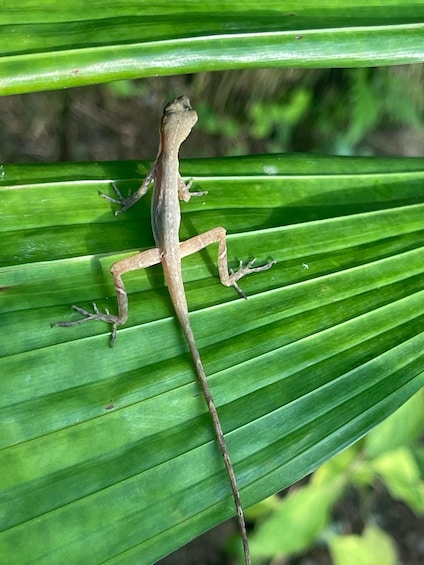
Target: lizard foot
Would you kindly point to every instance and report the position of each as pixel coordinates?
(96, 315)
(247, 270)
(124, 202)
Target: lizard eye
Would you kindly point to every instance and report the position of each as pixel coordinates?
(185, 102)
(168, 108)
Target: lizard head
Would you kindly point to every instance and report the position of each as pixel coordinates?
(178, 119)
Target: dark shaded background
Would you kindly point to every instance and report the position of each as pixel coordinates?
(120, 120)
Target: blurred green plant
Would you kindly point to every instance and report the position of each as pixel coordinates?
(328, 111)
(391, 455)
(378, 98)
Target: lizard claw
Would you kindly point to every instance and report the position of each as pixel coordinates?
(124, 202)
(96, 315)
(246, 270)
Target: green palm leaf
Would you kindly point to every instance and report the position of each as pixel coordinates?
(53, 44)
(110, 452)
(109, 455)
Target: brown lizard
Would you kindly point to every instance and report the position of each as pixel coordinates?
(177, 121)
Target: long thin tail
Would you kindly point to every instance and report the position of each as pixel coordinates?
(219, 433)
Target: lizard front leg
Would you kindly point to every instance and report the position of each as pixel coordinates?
(127, 201)
(184, 189)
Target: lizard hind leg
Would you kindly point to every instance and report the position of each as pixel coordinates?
(133, 263)
(242, 271)
(227, 276)
(89, 316)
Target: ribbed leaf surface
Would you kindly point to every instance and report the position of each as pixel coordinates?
(108, 454)
(54, 44)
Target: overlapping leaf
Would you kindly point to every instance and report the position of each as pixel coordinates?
(53, 44)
